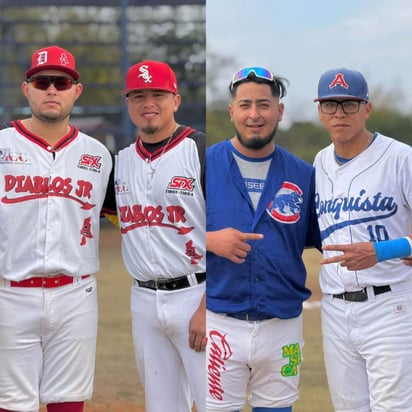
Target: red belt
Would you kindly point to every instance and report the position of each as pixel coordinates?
(45, 281)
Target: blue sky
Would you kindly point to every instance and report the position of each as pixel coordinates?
(300, 39)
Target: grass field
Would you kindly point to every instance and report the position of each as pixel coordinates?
(117, 386)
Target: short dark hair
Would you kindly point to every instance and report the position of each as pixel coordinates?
(278, 85)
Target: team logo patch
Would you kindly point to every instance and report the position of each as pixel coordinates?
(339, 80)
(90, 162)
(285, 205)
(181, 185)
(294, 354)
(121, 186)
(144, 74)
(9, 156)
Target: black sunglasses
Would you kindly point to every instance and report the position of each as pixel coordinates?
(44, 82)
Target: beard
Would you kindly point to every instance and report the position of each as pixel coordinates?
(256, 142)
(50, 116)
(150, 129)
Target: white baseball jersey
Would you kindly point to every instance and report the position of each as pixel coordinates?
(50, 202)
(161, 213)
(367, 199)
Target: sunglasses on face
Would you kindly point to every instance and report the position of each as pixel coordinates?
(59, 82)
(259, 72)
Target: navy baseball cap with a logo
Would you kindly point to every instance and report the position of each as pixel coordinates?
(342, 84)
(150, 75)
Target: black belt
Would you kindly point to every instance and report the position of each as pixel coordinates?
(171, 284)
(362, 295)
(250, 317)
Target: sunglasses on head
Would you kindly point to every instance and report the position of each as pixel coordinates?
(259, 72)
(59, 82)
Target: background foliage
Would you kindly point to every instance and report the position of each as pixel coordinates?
(306, 138)
(106, 41)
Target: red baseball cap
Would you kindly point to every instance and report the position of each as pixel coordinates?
(53, 58)
(150, 75)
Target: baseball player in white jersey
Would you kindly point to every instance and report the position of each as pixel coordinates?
(161, 212)
(364, 207)
(53, 182)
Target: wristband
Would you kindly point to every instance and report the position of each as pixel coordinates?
(391, 249)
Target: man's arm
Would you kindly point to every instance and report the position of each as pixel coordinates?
(363, 255)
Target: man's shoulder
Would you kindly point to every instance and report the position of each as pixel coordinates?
(92, 142)
(194, 133)
(217, 146)
(288, 157)
(127, 149)
(5, 125)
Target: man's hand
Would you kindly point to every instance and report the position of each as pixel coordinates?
(197, 327)
(231, 243)
(355, 256)
(407, 261)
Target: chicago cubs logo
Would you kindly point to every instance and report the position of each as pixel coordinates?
(339, 80)
(285, 204)
(144, 74)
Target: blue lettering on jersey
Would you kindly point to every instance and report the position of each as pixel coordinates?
(361, 203)
(254, 185)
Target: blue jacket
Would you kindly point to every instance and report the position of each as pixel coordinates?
(272, 280)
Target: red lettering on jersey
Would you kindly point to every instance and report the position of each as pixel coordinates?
(25, 184)
(36, 187)
(339, 80)
(182, 183)
(84, 189)
(60, 185)
(191, 252)
(176, 214)
(90, 161)
(37, 184)
(220, 352)
(86, 230)
(136, 216)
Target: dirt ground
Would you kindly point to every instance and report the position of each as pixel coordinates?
(117, 386)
